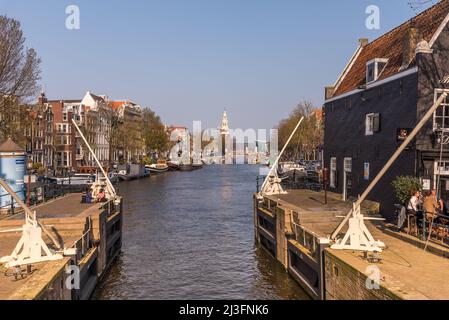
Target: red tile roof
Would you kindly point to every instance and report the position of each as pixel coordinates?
(115, 105)
(390, 46)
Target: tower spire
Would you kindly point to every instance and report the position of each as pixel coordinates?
(224, 124)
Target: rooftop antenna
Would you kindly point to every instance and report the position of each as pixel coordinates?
(358, 237)
(272, 183)
(31, 248)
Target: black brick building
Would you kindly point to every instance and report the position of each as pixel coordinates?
(386, 87)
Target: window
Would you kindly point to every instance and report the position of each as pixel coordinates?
(374, 69)
(63, 128)
(441, 116)
(372, 124)
(333, 173)
(66, 159)
(348, 165)
(65, 140)
(64, 116)
(370, 76)
(442, 168)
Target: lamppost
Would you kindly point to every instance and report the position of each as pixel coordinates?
(29, 168)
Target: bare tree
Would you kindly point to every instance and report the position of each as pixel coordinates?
(309, 135)
(19, 76)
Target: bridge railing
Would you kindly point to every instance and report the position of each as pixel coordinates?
(36, 195)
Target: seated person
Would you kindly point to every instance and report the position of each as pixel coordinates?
(414, 203)
(432, 207)
(89, 197)
(101, 197)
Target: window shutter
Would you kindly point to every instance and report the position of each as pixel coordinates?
(376, 122)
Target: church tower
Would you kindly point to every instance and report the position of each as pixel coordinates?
(224, 130)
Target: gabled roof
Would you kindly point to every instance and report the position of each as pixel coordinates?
(10, 146)
(96, 98)
(390, 46)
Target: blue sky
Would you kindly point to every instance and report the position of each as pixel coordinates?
(190, 59)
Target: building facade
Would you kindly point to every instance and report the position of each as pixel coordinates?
(129, 122)
(98, 126)
(386, 88)
(112, 128)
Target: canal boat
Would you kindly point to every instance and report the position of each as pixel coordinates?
(77, 179)
(197, 166)
(132, 171)
(287, 167)
(160, 167)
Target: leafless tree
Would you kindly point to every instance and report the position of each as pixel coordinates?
(19, 76)
(309, 135)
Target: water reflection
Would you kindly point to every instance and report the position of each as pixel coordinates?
(190, 236)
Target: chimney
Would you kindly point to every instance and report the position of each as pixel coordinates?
(411, 39)
(328, 92)
(363, 42)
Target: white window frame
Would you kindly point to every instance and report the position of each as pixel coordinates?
(347, 164)
(438, 172)
(333, 173)
(445, 105)
(441, 170)
(377, 72)
(369, 124)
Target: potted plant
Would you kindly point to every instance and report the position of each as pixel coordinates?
(404, 186)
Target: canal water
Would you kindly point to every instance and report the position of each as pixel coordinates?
(189, 235)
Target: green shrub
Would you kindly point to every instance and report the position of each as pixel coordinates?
(404, 186)
(146, 161)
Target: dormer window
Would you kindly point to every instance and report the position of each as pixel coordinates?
(374, 68)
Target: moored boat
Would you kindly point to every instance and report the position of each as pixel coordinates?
(197, 166)
(160, 167)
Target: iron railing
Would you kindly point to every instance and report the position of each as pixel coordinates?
(305, 183)
(39, 194)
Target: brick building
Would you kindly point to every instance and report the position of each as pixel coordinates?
(387, 86)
